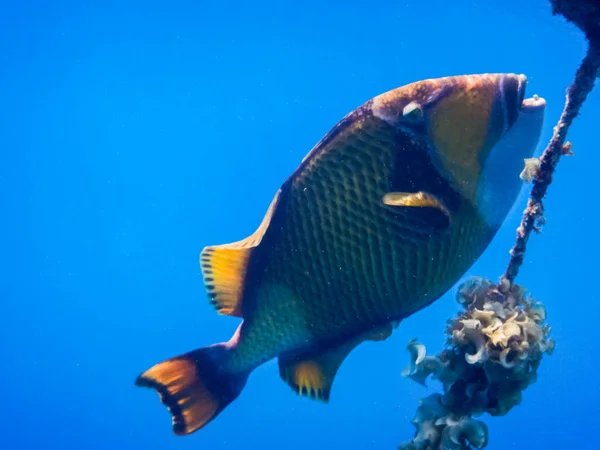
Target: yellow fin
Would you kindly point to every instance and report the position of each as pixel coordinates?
(421, 198)
(196, 386)
(312, 375)
(417, 199)
(224, 271)
(224, 267)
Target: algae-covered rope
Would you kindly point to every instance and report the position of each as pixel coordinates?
(576, 95)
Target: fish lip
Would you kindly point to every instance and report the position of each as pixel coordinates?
(533, 105)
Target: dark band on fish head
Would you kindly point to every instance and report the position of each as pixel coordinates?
(512, 92)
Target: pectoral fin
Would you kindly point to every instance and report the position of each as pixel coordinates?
(420, 200)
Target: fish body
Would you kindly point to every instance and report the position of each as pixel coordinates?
(380, 219)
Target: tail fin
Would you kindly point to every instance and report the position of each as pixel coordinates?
(194, 386)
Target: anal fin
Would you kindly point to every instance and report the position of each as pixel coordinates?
(311, 375)
(224, 267)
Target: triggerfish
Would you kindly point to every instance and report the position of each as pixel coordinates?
(381, 218)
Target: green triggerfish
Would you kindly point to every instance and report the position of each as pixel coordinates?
(382, 217)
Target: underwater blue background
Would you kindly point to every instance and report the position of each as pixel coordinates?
(132, 134)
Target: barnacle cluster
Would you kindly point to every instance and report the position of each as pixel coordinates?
(492, 353)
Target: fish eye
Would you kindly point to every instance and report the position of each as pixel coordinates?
(413, 112)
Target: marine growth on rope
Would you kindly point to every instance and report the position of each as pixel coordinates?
(493, 349)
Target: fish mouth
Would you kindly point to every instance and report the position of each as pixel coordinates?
(532, 105)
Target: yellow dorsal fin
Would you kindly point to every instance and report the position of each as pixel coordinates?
(224, 267)
(312, 375)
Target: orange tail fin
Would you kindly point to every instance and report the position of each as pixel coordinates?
(194, 387)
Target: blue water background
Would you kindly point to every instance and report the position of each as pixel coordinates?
(132, 134)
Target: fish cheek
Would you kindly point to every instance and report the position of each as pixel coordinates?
(462, 128)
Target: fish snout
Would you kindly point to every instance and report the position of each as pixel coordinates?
(512, 89)
(470, 117)
(500, 184)
(533, 105)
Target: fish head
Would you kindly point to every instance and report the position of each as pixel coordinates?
(478, 130)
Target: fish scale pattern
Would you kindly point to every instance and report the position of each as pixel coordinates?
(339, 261)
